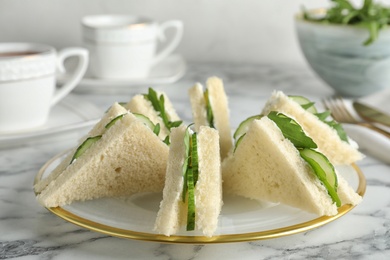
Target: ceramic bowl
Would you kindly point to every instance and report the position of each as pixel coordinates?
(337, 54)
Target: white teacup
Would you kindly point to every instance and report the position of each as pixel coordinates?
(28, 82)
(124, 46)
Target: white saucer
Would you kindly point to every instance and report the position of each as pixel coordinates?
(71, 114)
(168, 71)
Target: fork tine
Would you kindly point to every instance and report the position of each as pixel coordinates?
(344, 111)
(337, 108)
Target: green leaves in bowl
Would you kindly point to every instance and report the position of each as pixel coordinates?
(371, 15)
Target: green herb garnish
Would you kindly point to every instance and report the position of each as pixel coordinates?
(373, 16)
(323, 116)
(292, 130)
(158, 104)
(209, 110)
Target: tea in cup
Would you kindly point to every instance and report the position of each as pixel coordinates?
(124, 46)
(28, 82)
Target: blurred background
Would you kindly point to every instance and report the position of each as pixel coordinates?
(236, 31)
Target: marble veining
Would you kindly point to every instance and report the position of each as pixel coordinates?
(28, 231)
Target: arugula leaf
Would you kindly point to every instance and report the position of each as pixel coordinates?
(209, 110)
(339, 129)
(323, 115)
(373, 16)
(292, 130)
(158, 104)
(309, 106)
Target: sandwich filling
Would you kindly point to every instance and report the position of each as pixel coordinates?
(158, 103)
(209, 109)
(292, 131)
(309, 107)
(190, 176)
(93, 139)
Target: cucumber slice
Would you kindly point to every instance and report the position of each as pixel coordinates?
(192, 178)
(112, 122)
(145, 120)
(187, 138)
(194, 157)
(305, 103)
(244, 125)
(238, 142)
(191, 200)
(84, 146)
(324, 170)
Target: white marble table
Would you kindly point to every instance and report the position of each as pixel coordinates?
(28, 231)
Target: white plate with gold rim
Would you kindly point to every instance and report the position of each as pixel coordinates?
(240, 220)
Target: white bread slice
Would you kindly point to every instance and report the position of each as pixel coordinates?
(327, 139)
(266, 166)
(138, 104)
(219, 104)
(114, 111)
(129, 158)
(208, 190)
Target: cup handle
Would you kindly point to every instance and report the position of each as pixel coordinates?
(77, 74)
(178, 25)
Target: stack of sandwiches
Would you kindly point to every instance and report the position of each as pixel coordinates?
(143, 146)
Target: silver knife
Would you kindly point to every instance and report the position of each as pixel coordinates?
(371, 114)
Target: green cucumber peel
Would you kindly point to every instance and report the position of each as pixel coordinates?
(244, 125)
(158, 104)
(324, 171)
(84, 146)
(190, 175)
(304, 103)
(191, 200)
(144, 119)
(192, 179)
(292, 130)
(113, 121)
(187, 154)
(309, 106)
(239, 140)
(209, 109)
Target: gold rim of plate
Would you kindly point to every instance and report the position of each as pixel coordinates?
(228, 238)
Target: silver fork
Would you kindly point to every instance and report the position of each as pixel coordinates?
(340, 113)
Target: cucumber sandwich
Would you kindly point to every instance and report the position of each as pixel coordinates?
(192, 196)
(210, 108)
(327, 134)
(275, 160)
(158, 108)
(121, 155)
